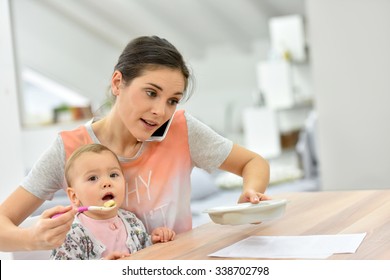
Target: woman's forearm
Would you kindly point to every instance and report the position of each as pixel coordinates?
(13, 238)
(256, 174)
(13, 211)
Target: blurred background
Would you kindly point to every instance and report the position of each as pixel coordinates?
(303, 83)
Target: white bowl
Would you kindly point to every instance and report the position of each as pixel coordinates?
(247, 213)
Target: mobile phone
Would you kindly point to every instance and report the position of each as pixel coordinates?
(161, 132)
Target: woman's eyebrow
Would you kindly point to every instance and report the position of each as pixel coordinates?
(154, 85)
(160, 88)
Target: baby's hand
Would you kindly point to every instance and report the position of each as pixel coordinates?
(162, 234)
(116, 255)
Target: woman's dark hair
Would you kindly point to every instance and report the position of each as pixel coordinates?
(148, 52)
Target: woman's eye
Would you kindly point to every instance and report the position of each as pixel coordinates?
(92, 178)
(151, 93)
(173, 101)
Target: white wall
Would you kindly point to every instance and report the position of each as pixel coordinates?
(225, 83)
(57, 47)
(350, 43)
(11, 166)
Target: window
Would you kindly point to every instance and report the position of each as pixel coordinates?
(46, 101)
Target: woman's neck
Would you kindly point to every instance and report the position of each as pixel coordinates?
(115, 136)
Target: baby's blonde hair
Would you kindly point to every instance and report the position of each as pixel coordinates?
(93, 148)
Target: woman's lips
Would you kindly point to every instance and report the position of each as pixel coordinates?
(149, 125)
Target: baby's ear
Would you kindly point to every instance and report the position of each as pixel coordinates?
(73, 196)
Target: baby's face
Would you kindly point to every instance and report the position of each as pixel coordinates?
(97, 178)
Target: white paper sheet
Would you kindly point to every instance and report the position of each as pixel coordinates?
(295, 247)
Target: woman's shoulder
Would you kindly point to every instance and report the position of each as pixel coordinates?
(72, 139)
(177, 126)
(183, 117)
(75, 133)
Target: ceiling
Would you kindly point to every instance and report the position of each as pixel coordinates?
(192, 25)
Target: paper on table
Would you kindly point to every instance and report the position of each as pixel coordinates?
(296, 247)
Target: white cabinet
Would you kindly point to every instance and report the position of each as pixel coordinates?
(261, 131)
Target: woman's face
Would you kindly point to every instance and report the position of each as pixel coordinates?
(149, 100)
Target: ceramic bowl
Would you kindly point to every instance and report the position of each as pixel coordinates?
(247, 213)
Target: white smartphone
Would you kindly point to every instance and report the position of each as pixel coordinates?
(161, 132)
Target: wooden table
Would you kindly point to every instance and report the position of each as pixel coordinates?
(307, 213)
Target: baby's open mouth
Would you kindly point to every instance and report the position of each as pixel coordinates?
(108, 196)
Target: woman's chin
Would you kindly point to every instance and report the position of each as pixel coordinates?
(142, 139)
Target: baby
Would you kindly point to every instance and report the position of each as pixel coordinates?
(95, 177)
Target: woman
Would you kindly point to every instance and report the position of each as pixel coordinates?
(148, 82)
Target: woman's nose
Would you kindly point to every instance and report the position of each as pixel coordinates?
(159, 108)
